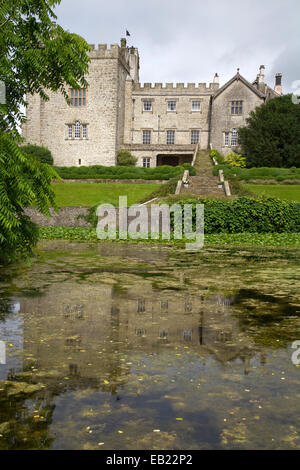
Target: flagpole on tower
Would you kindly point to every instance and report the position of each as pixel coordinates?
(127, 33)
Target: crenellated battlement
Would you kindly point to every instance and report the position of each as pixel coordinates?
(103, 52)
(196, 87)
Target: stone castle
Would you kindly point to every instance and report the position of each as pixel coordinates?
(159, 124)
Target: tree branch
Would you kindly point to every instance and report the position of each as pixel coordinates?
(4, 23)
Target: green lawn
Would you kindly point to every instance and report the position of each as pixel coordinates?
(91, 194)
(290, 192)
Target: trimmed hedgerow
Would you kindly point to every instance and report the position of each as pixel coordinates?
(246, 214)
(264, 173)
(164, 172)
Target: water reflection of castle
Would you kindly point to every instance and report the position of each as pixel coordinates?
(85, 332)
(79, 336)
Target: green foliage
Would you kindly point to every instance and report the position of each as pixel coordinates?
(246, 214)
(91, 216)
(243, 214)
(263, 173)
(217, 156)
(283, 239)
(237, 188)
(233, 159)
(36, 55)
(125, 158)
(215, 239)
(272, 135)
(68, 233)
(164, 172)
(43, 154)
(24, 181)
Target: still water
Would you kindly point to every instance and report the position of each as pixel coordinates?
(112, 346)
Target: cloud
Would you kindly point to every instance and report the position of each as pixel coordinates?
(190, 41)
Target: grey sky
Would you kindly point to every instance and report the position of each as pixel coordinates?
(188, 41)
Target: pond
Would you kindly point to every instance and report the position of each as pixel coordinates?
(124, 346)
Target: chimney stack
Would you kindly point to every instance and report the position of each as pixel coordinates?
(278, 85)
(261, 75)
(216, 78)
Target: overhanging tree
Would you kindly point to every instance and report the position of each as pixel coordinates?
(36, 55)
(272, 135)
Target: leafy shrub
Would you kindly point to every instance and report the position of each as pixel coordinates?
(43, 154)
(246, 214)
(280, 178)
(123, 172)
(217, 156)
(235, 160)
(238, 189)
(24, 182)
(125, 158)
(271, 137)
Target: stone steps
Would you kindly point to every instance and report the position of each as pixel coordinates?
(204, 183)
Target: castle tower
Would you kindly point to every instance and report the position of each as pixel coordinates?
(90, 130)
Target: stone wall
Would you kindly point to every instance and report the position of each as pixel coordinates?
(159, 119)
(65, 217)
(223, 121)
(103, 114)
(31, 130)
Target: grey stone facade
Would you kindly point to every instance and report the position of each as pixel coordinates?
(160, 124)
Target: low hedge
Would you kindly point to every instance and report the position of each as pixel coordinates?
(247, 214)
(164, 172)
(264, 173)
